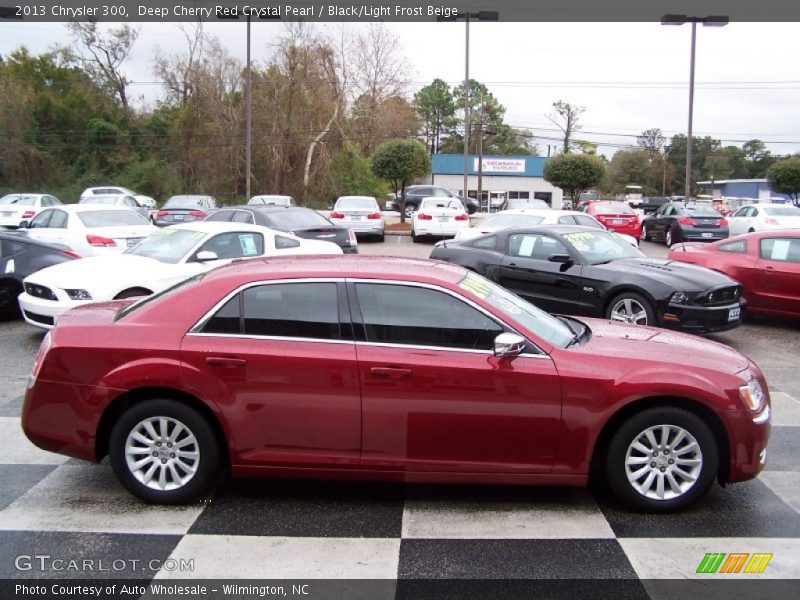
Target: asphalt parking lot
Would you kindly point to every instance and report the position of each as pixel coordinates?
(51, 505)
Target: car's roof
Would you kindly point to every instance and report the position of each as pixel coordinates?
(93, 197)
(539, 212)
(25, 194)
(271, 196)
(347, 265)
(221, 226)
(266, 208)
(88, 207)
(356, 197)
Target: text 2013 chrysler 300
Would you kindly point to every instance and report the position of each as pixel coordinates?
(392, 369)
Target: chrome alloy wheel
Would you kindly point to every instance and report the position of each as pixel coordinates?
(663, 462)
(162, 453)
(629, 310)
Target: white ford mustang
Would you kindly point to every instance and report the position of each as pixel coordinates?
(162, 259)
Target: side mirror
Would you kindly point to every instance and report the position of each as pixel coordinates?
(508, 344)
(206, 255)
(24, 225)
(564, 259)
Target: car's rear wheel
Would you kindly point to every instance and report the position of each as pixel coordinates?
(631, 308)
(645, 234)
(410, 210)
(414, 237)
(9, 290)
(164, 452)
(672, 237)
(662, 460)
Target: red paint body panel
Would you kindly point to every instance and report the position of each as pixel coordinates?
(628, 224)
(358, 410)
(771, 287)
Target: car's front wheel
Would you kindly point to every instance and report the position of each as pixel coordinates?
(164, 452)
(645, 234)
(662, 460)
(632, 308)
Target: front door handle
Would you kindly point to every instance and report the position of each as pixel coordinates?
(390, 372)
(225, 362)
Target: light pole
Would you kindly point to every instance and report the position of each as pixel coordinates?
(712, 21)
(483, 15)
(664, 173)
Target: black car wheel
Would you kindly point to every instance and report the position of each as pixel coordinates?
(132, 293)
(662, 460)
(414, 237)
(9, 290)
(672, 236)
(629, 307)
(645, 234)
(164, 452)
(410, 210)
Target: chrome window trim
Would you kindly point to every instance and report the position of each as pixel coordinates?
(195, 330)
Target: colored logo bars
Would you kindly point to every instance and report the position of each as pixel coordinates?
(736, 562)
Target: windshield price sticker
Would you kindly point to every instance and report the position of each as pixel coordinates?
(476, 286)
(578, 236)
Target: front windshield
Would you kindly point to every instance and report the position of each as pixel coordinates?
(782, 211)
(527, 204)
(356, 203)
(18, 200)
(516, 309)
(273, 200)
(148, 299)
(601, 246)
(500, 221)
(167, 245)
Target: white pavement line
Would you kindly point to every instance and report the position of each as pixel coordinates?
(88, 498)
(250, 557)
(786, 484)
(785, 409)
(679, 558)
(18, 450)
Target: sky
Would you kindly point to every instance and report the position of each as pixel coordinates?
(628, 76)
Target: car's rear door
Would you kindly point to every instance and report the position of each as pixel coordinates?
(279, 361)
(434, 396)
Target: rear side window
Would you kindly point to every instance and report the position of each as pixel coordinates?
(486, 243)
(737, 247)
(296, 310)
(393, 314)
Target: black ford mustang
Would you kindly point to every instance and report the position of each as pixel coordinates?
(19, 257)
(581, 271)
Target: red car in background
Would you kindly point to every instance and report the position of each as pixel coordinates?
(396, 369)
(616, 216)
(766, 263)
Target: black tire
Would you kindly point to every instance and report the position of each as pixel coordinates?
(620, 450)
(672, 236)
(382, 237)
(9, 291)
(613, 310)
(751, 230)
(414, 237)
(132, 293)
(645, 234)
(206, 467)
(410, 208)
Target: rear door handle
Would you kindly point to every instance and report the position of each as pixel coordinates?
(225, 362)
(390, 372)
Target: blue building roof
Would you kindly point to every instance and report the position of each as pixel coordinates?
(506, 166)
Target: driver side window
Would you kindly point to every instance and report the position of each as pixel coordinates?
(535, 246)
(41, 220)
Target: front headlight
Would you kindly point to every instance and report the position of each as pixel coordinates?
(78, 294)
(752, 395)
(681, 297)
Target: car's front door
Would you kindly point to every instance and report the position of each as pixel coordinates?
(777, 273)
(527, 271)
(434, 396)
(280, 360)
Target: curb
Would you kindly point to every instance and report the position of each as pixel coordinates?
(398, 233)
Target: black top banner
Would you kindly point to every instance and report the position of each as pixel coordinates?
(395, 10)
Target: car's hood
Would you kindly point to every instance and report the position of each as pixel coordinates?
(634, 342)
(110, 270)
(679, 275)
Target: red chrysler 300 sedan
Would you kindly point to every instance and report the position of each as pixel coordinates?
(394, 369)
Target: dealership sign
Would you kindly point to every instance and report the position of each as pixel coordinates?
(501, 165)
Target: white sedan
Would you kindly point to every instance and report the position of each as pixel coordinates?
(438, 216)
(528, 217)
(90, 230)
(166, 257)
(762, 217)
(16, 208)
(361, 214)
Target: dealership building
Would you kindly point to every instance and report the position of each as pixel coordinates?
(755, 189)
(502, 177)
